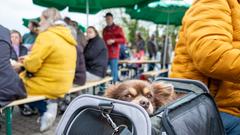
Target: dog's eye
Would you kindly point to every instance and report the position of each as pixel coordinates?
(149, 96)
(128, 96)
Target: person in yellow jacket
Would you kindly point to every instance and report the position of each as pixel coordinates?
(50, 66)
(209, 50)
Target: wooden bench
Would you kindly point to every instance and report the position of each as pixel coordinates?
(90, 85)
(138, 61)
(154, 74)
(8, 109)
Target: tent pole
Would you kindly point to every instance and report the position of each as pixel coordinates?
(166, 45)
(87, 11)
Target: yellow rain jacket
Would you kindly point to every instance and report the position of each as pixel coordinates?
(52, 62)
(209, 50)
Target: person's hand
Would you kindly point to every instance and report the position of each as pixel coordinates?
(21, 59)
(110, 41)
(13, 62)
(16, 66)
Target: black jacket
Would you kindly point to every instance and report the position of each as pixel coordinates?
(22, 51)
(11, 87)
(140, 44)
(152, 49)
(80, 73)
(96, 57)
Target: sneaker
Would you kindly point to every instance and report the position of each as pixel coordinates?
(46, 121)
(48, 118)
(27, 111)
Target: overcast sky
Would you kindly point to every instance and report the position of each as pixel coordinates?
(12, 12)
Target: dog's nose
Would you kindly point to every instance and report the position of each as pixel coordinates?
(144, 104)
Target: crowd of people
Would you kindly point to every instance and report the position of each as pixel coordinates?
(56, 55)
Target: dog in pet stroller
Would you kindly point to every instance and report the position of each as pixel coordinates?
(188, 110)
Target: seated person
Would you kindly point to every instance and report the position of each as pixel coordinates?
(11, 87)
(18, 49)
(50, 66)
(96, 57)
(138, 68)
(80, 73)
(30, 37)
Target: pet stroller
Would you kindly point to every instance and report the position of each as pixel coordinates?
(94, 115)
(193, 114)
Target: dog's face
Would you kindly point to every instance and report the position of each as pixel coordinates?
(147, 95)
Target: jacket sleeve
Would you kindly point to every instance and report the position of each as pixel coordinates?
(120, 38)
(104, 35)
(80, 74)
(210, 40)
(42, 48)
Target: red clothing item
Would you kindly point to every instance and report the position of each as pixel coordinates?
(114, 32)
(139, 55)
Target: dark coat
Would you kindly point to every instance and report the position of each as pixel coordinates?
(152, 49)
(11, 87)
(140, 44)
(96, 57)
(167, 51)
(80, 74)
(22, 51)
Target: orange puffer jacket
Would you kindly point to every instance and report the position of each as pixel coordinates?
(209, 50)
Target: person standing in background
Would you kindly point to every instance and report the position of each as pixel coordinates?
(166, 52)
(152, 47)
(152, 51)
(29, 38)
(113, 36)
(140, 45)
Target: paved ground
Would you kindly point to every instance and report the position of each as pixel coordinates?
(26, 125)
(22, 125)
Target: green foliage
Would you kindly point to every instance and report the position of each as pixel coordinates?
(132, 26)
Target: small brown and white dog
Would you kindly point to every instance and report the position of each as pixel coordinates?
(149, 96)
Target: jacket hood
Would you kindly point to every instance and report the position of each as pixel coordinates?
(63, 32)
(5, 35)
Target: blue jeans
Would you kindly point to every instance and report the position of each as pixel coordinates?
(151, 66)
(40, 105)
(113, 63)
(231, 123)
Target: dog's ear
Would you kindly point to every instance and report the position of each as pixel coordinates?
(163, 93)
(112, 91)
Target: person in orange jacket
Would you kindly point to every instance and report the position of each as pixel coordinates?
(209, 50)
